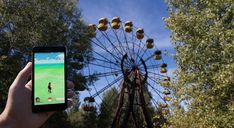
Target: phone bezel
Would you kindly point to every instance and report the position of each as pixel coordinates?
(49, 107)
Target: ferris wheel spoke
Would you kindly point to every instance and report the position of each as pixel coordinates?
(154, 74)
(143, 53)
(104, 74)
(119, 42)
(152, 99)
(136, 57)
(152, 79)
(147, 59)
(108, 86)
(156, 104)
(112, 44)
(157, 74)
(157, 92)
(106, 60)
(99, 44)
(126, 40)
(102, 66)
(133, 43)
(155, 89)
(137, 54)
(140, 50)
(103, 102)
(153, 66)
(105, 49)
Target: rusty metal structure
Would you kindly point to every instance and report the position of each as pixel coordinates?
(126, 58)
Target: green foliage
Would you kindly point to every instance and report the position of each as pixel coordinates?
(108, 108)
(25, 24)
(78, 118)
(202, 31)
(89, 119)
(83, 119)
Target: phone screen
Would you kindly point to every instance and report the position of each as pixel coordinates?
(49, 78)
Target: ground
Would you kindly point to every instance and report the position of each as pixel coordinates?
(45, 73)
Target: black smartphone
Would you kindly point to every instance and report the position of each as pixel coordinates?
(49, 79)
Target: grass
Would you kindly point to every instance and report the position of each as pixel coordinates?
(45, 73)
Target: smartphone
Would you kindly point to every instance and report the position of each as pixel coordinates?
(49, 79)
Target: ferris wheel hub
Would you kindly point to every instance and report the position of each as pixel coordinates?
(131, 69)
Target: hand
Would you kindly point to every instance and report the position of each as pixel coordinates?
(18, 111)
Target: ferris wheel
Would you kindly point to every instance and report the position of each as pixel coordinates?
(126, 58)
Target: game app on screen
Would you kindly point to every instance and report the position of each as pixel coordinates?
(49, 78)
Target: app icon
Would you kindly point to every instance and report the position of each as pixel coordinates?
(37, 99)
(49, 99)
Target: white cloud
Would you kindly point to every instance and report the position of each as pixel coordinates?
(60, 56)
(59, 59)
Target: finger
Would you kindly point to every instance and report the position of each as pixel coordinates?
(23, 75)
(70, 84)
(70, 93)
(69, 103)
(29, 85)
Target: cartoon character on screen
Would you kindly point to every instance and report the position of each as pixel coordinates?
(49, 87)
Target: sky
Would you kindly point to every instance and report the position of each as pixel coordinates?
(148, 14)
(49, 58)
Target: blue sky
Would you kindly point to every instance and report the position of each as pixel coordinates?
(147, 14)
(49, 58)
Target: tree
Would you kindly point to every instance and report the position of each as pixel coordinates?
(202, 32)
(79, 118)
(107, 108)
(25, 24)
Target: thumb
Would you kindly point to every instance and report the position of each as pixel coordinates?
(23, 75)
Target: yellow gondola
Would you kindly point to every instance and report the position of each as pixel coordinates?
(157, 52)
(166, 78)
(115, 23)
(115, 19)
(166, 92)
(103, 21)
(164, 65)
(163, 105)
(163, 70)
(102, 27)
(167, 98)
(149, 43)
(157, 57)
(166, 82)
(140, 33)
(127, 29)
(128, 23)
(128, 26)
